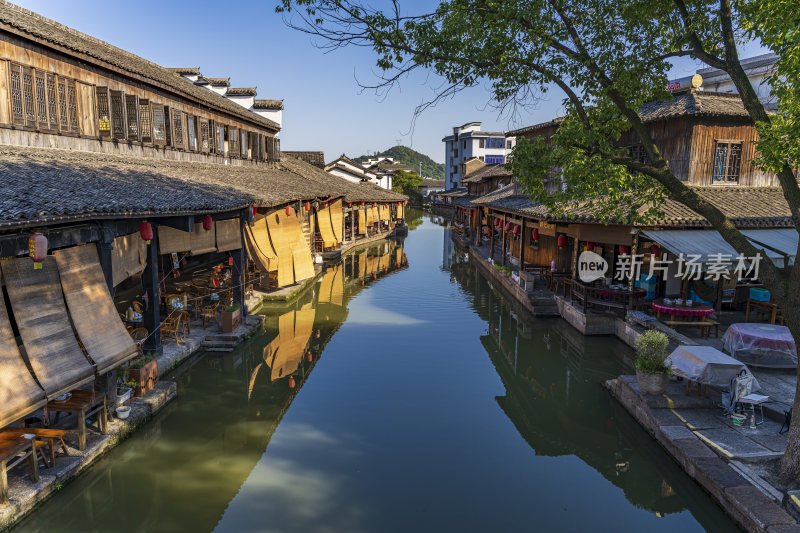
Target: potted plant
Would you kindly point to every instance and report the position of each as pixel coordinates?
(142, 374)
(125, 391)
(652, 371)
(231, 318)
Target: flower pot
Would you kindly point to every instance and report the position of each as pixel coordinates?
(123, 411)
(146, 377)
(124, 395)
(655, 384)
(231, 320)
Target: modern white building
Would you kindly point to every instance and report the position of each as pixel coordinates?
(757, 68)
(467, 142)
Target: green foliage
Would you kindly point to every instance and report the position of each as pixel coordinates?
(139, 362)
(412, 158)
(233, 308)
(651, 351)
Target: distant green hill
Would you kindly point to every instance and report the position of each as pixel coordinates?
(412, 158)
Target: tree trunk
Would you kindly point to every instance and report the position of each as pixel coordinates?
(790, 464)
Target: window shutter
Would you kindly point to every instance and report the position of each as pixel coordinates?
(146, 121)
(63, 115)
(103, 111)
(27, 97)
(72, 107)
(41, 100)
(212, 133)
(52, 101)
(205, 137)
(17, 107)
(233, 142)
(243, 138)
(192, 133)
(132, 114)
(159, 125)
(177, 129)
(117, 114)
(220, 139)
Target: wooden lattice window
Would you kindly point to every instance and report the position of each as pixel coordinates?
(205, 137)
(62, 107)
(220, 139)
(233, 142)
(72, 107)
(177, 128)
(41, 100)
(118, 129)
(191, 131)
(145, 121)
(132, 114)
(103, 112)
(159, 126)
(244, 144)
(52, 101)
(638, 153)
(167, 126)
(27, 97)
(727, 162)
(17, 107)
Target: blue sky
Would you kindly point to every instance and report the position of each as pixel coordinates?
(325, 108)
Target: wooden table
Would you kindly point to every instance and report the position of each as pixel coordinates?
(83, 403)
(10, 449)
(49, 435)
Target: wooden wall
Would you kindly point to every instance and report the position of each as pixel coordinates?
(544, 252)
(704, 137)
(673, 139)
(88, 77)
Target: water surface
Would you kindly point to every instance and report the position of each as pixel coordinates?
(421, 402)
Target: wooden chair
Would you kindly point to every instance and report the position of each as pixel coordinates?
(186, 328)
(209, 313)
(171, 327)
(139, 335)
(137, 306)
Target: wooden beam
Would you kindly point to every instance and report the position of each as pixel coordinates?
(183, 223)
(239, 272)
(104, 247)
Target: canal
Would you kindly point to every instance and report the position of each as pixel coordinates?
(420, 402)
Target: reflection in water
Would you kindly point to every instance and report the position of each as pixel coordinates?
(421, 401)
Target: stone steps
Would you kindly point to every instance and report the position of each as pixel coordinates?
(220, 343)
(546, 310)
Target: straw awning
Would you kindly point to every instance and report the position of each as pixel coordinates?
(202, 241)
(337, 220)
(292, 251)
(325, 229)
(287, 349)
(228, 235)
(20, 395)
(256, 237)
(400, 210)
(128, 258)
(102, 333)
(38, 306)
(362, 222)
(173, 240)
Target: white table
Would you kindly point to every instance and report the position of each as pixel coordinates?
(707, 365)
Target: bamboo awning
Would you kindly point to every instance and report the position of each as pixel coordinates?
(288, 241)
(128, 257)
(100, 330)
(325, 229)
(197, 242)
(362, 265)
(286, 351)
(20, 395)
(202, 241)
(228, 235)
(259, 246)
(38, 306)
(337, 220)
(400, 210)
(362, 222)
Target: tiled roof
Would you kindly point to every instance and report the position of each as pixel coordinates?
(191, 71)
(465, 200)
(486, 172)
(745, 206)
(48, 185)
(497, 194)
(61, 36)
(535, 127)
(695, 103)
(240, 91)
(432, 183)
(276, 105)
(219, 82)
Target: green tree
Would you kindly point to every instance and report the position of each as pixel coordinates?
(406, 182)
(608, 58)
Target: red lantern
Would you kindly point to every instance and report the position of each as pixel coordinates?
(291, 382)
(496, 222)
(405, 202)
(623, 250)
(146, 231)
(374, 204)
(37, 249)
(488, 232)
(655, 251)
(230, 261)
(309, 357)
(516, 229)
(507, 226)
(307, 206)
(288, 211)
(349, 204)
(535, 234)
(255, 210)
(208, 223)
(590, 246)
(362, 204)
(562, 241)
(399, 204)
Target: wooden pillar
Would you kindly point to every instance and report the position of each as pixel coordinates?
(239, 273)
(104, 248)
(344, 231)
(632, 280)
(491, 237)
(503, 232)
(575, 258)
(353, 219)
(522, 245)
(152, 311)
(479, 224)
